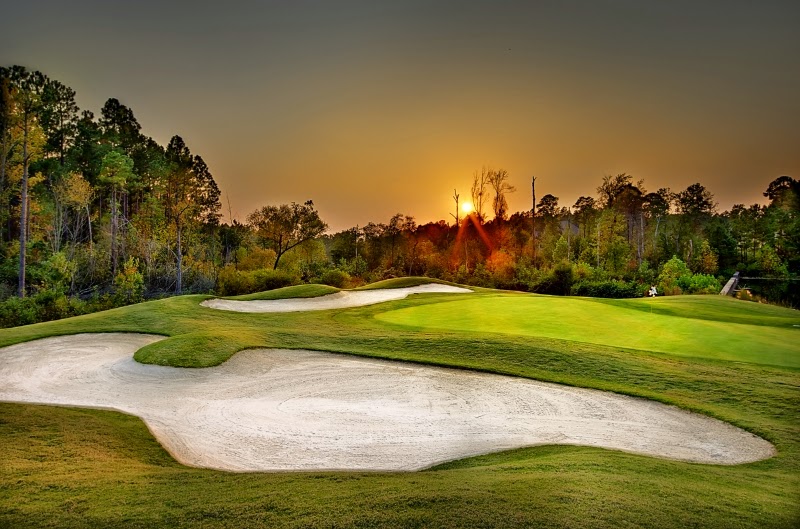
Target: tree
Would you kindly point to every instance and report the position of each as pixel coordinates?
(584, 212)
(394, 230)
(548, 206)
(456, 217)
(191, 196)
(480, 179)
(696, 201)
(499, 181)
(26, 103)
(695, 206)
(613, 186)
(120, 127)
(7, 142)
(116, 171)
(75, 194)
(778, 188)
(286, 226)
(59, 118)
(86, 154)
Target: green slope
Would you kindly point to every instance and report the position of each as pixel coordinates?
(707, 327)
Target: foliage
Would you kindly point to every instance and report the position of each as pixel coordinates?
(233, 282)
(612, 288)
(335, 278)
(129, 284)
(672, 274)
(286, 226)
(699, 284)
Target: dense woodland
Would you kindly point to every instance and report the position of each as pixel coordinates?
(106, 216)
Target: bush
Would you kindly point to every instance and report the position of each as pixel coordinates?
(16, 311)
(44, 306)
(556, 282)
(607, 289)
(335, 278)
(272, 279)
(673, 274)
(700, 284)
(232, 282)
(129, 284)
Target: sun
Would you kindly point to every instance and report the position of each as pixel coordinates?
(467, 207)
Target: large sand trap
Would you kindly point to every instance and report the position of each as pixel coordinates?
(340, 300)
(304, 410)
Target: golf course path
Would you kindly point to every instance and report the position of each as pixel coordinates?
(272, 410)
(340, 300)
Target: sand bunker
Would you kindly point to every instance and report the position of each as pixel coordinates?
(340, 300)
(304, 410)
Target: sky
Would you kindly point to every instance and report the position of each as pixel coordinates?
(372, 108)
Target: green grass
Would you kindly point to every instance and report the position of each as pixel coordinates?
(403, 282)
(296, 291)
(64, 467)
(707, 327)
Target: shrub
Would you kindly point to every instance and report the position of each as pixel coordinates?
(700, 284)
(129, 284)
(272, 279)
(607, 289)
(335, 278)
(46, 305)
(255, 259)
(673, 274)
(232, 282)
(16, 311)
(563, 278)
(556, 282)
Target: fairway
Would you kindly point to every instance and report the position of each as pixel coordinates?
(710, 328)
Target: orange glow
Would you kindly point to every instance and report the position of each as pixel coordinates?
(467, 207)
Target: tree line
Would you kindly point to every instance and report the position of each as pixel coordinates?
(94, 214)
(617, 242)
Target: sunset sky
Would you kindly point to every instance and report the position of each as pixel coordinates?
(375, 108)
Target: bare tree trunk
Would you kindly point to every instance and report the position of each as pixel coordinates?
(3, 160)
(23, 216)
(598, 244)
(640, 242)
(114, 250)
(178, 287)
(279, 252)
(533, 219)
(89, 223)
(456, 216)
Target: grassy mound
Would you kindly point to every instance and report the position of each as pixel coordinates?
(404, 282)
(296, 291)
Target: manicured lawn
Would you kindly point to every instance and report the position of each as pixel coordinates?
(64, 467)
(705, 327)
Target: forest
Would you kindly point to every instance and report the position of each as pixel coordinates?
(95, 214)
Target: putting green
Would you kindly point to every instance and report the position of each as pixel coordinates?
(702, 326)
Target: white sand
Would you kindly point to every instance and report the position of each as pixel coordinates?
(304, 410)
(339, 300)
